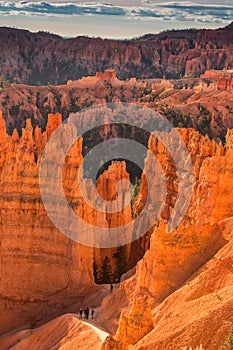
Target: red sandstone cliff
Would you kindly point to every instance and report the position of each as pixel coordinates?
(39, 58)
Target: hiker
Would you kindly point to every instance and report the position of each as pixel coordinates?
(81, 313)
(92, 313)
(111, 287)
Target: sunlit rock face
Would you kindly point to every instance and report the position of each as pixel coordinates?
(137, 323)
(203, 237)
(174, 256)
(43, 271)
(200, 310)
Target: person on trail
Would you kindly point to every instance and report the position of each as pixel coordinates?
(111, 287)
(81, 313)
(92, 313)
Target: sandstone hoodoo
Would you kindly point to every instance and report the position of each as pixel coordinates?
(52, 270)
(108, 75)
(180, 270)
(51, 278)
(58, 282)
(185, 278)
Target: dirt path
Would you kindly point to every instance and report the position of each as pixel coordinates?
(101, 333)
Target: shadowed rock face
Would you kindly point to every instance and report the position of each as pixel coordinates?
(39, 58)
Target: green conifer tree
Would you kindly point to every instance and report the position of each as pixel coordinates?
(106, 271)
(122, 261)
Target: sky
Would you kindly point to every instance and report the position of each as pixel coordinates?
(114, 19)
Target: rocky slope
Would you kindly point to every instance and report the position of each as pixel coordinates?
(39, 58)
(66, 332)
(200, 312)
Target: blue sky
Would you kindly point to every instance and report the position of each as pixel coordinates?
(115, 19)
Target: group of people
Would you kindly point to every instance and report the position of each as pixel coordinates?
(85, 313)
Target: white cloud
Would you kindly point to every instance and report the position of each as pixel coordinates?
(180, 10)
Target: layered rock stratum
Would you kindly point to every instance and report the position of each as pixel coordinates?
(224, 78)
(39, 58)
(40, 268)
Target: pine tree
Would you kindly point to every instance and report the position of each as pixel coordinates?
(135, 189)
(3, 82)
(95, 271)
(106, 271)
(122, 260)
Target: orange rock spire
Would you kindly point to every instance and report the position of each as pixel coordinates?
(3, 133)
(51, 269)
(53, 121)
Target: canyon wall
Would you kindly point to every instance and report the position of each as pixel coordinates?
(40, 58)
